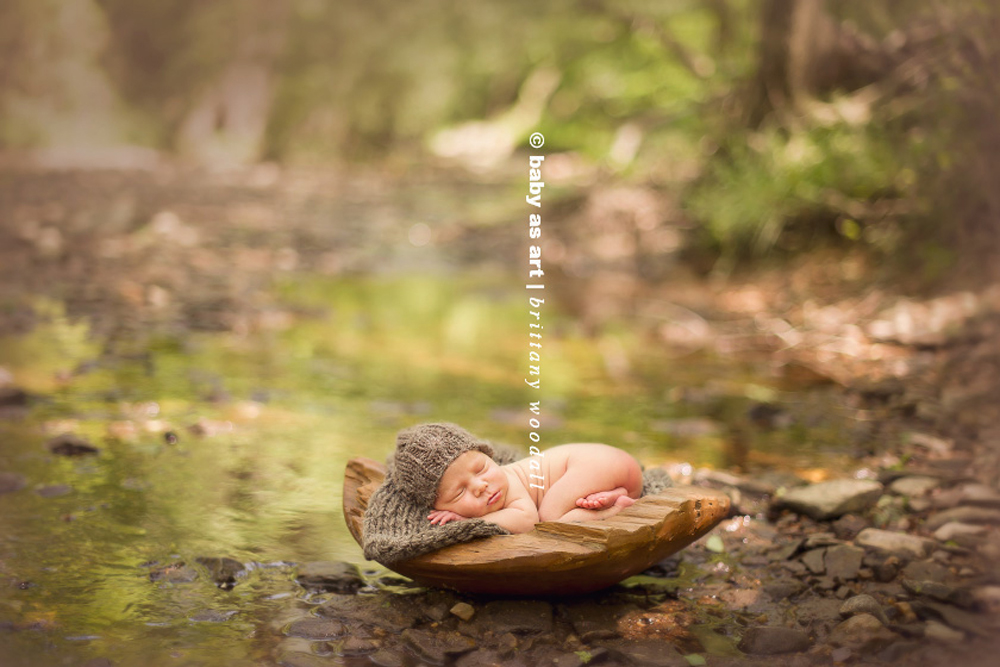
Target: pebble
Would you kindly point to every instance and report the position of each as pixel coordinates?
(963, 514)
(330, 576)
(388, 657)
(54, 490)
(437, 647)
(358, 646)
(648, 652)
(830, 500)
(987, 598)
(888, 569)
(889, 541)
(940, 632)
(70, 444)
(175, 573)
(480, 658)
(862, 631)
(916, 485)
(955, 530)
(772, 640)
(463, 610)
(863, 604)
(213, 616)
(516, 616)
(10, 482)
(316, 629)
(959, 597)
(782, 589)
(814, 560)
(980, 495)
(843, 561)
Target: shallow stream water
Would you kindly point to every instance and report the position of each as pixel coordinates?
(233, 444)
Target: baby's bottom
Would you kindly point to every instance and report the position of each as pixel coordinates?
(599, 482)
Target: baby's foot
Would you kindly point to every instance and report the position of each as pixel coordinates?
(603, 499)
(624, 501)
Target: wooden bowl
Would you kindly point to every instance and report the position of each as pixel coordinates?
(555, 558)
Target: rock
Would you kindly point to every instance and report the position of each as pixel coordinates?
(11, 482)
(782, 589)
(979, 495)
(390, 612)
(301, 659)
(964, 514)
(814, 560)
(648, 652)
(785, 551)
(959, 597)
(863, 632)
(516, 616)
(916, 485)
(863, 604)
(887, 570)
(848, 526)
(592, 620)
(316, 629)
(330, 576)
(843, 562)
(773, 639)
(581, 658)
(390, 657)
(963, 620)
(957, 529)
(829, 500)
(175, 573)
(482, 658)
(437, 646)
(224, 571)
(897, 651)
(892, 542)
(98, 662)
(926, 570)
(357, 646)
(842, 654)
(940, 632)
(54, 491)
(817, 540)
(69, 444)
(463, 610)
(213, 616)
(987, 599)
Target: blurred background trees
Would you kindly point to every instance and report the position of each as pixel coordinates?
(777, 124)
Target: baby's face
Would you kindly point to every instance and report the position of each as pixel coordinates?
(473, 485)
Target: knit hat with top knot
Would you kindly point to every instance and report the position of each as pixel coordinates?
(424, 452)
(395, 525)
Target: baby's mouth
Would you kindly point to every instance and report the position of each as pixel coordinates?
(495, 497)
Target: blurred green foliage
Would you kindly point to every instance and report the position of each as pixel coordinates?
(354, 80)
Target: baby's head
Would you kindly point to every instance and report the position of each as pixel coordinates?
(472, 486)
(423, 455)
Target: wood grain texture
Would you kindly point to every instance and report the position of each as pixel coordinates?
(555, 558)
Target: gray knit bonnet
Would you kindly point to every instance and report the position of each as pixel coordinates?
(424, 452)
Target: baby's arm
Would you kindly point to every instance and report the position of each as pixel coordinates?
(520, 516)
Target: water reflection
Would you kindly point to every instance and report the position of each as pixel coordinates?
(233, 444)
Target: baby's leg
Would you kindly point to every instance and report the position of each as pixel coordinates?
(593, 469)
(602, 499)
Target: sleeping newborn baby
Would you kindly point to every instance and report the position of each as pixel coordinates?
(578, 482)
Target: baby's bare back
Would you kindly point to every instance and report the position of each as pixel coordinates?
(588, 468)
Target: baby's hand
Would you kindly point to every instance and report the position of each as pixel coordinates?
(441, 517)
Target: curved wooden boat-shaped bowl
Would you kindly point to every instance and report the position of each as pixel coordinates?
(555, 558)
